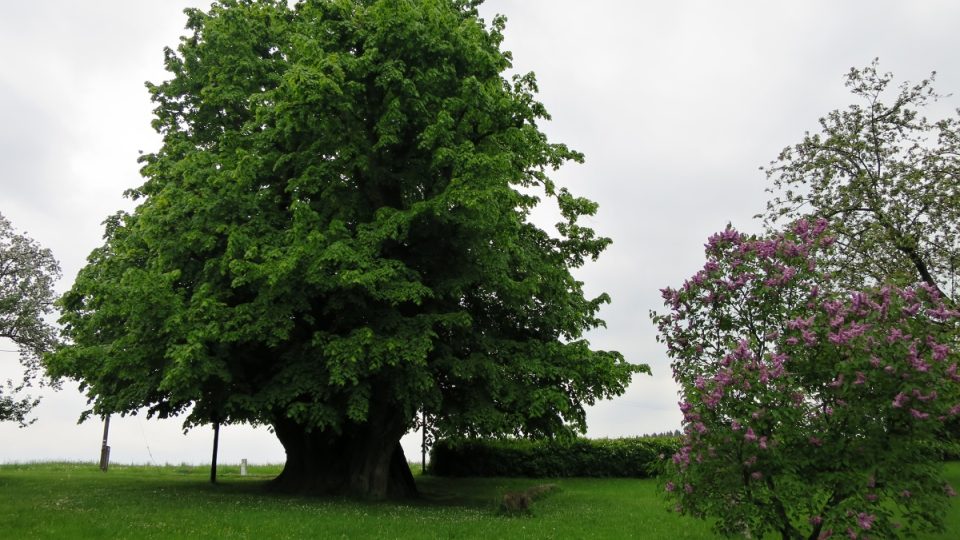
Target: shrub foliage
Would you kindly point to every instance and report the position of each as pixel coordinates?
(809, 410)
(637, 457)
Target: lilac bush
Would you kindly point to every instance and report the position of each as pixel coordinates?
(809, 411)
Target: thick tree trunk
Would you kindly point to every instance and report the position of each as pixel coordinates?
(362, 460)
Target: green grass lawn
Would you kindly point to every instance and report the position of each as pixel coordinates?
(79, 501)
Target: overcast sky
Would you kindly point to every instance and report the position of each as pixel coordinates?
(675, 104)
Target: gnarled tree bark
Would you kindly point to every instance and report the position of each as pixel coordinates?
(360, 460)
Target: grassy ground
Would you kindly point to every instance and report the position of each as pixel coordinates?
(78, 501)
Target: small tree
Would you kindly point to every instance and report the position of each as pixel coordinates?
(886, 177)
(808, 410)
(27, 275)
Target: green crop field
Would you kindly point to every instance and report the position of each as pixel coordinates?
(68, 500)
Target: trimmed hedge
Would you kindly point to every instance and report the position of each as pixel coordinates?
(637, 457)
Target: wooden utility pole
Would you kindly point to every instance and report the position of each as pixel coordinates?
(104, 449)
(213, 462)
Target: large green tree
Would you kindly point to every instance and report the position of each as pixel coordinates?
(27, 274)
(886, 177)
(335, 239)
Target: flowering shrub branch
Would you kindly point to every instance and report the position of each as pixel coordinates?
(809, 411)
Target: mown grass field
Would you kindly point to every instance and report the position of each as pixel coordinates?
(63, 500)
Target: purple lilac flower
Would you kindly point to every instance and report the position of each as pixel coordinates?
(896, 334)
(919, 365)
(899, 400)
(942, 313)
(952, 372)
(777, 370)
(743, 350)
(838, 320)
(912, 310)
(711, 401)
(939, 350)
(832, 307)
(859, 302)
(766, 248)
(800, 323)
(820, 225)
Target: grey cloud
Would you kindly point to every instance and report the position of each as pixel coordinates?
(675, 104)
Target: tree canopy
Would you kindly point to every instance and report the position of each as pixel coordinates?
(886, 177)
(27, 275)
(335, 238)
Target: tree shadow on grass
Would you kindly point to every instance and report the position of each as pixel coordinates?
(443, 492)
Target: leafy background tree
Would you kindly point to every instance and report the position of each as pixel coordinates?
(27, 275)
(334, 239)
(886, 177)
